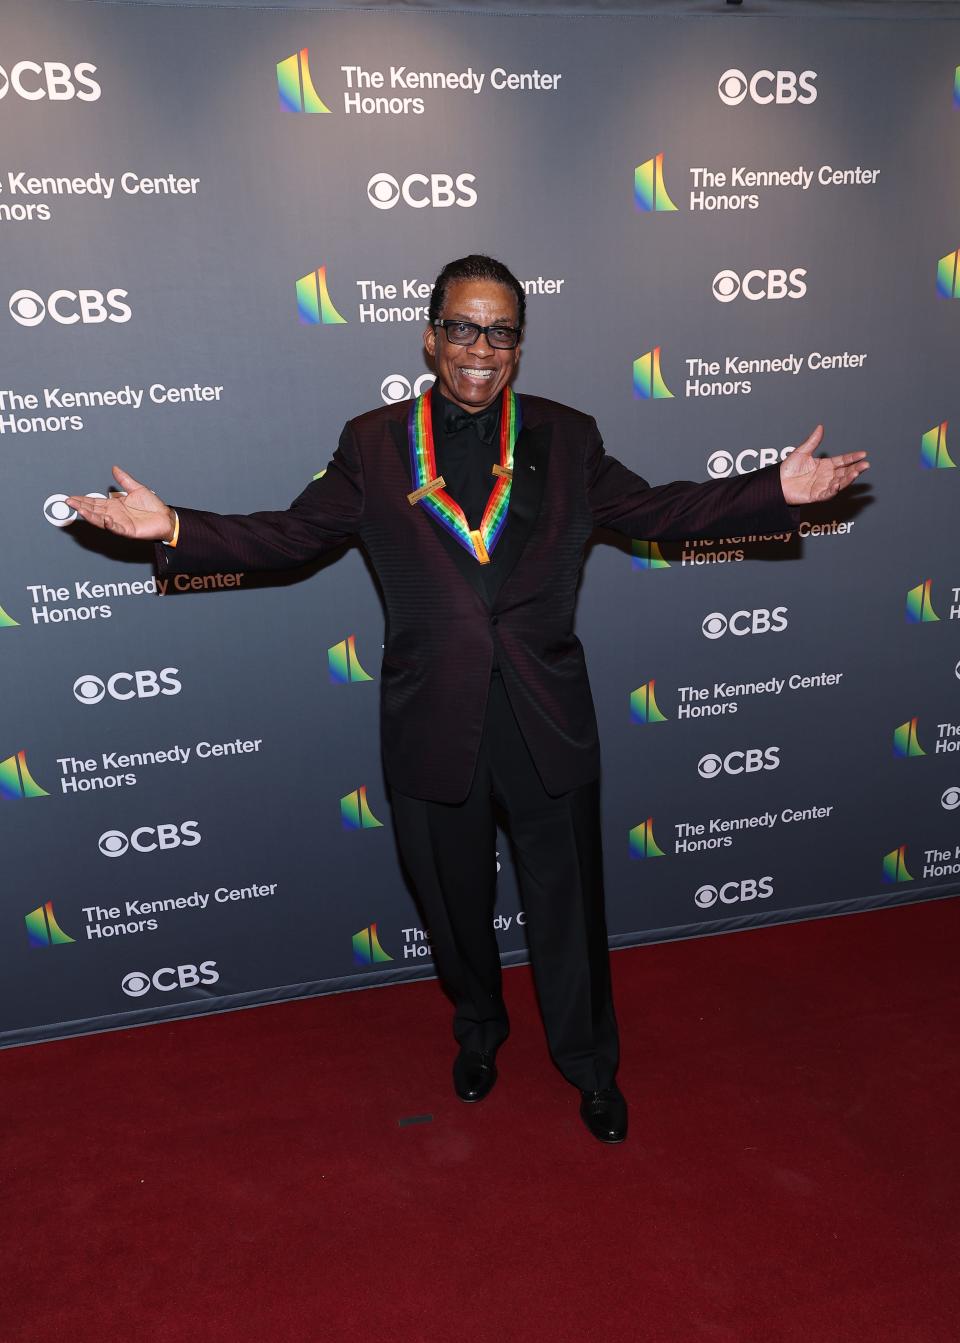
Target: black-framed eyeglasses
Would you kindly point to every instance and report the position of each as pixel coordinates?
(468, 333)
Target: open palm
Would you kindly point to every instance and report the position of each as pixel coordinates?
(809, 480)
(137, 512)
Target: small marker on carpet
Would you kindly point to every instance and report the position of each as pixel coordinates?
(414, 1119)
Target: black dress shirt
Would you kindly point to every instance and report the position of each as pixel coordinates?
(466, 463)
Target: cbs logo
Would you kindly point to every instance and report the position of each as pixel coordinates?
(138, 982)
(759, 621)
(722, 464)
(52, 80)
(759, 284)
(734, 892)
(58, 512)
(395, 387)
(739, 762)
(950, 800)
(767, 86)
(89, 689)
(68, 306)
(150, 838)
(418, 191)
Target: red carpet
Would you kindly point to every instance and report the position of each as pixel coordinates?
(791, 1172)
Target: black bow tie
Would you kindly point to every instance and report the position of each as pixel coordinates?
(484, 423)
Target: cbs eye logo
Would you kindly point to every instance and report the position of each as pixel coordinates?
(767, 86)
(135, 984)
(26, 307)
(950, 800)
(395, 387)
(383, 191)
(732, 87)
(720, 465)
(58, 512)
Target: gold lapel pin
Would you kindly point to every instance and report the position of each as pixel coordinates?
(416, 495)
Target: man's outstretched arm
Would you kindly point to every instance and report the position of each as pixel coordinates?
(763, 501)
(326, 514)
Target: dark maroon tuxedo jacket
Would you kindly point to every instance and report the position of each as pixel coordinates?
(442, 627)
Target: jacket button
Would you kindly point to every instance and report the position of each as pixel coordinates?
(494, 620)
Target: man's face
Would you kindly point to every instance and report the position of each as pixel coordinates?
(473, 376)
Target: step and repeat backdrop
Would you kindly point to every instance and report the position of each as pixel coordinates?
(219, 229)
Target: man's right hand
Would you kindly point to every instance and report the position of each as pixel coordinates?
(137, 513)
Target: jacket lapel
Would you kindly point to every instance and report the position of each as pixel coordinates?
(531, 459)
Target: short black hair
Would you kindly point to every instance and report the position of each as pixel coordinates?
(476, 267)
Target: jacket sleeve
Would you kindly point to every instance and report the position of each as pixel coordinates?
(326, 514)
(683, 510)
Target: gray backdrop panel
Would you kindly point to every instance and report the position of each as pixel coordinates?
(766, 802)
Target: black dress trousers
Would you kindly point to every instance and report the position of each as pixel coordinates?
(449, 851)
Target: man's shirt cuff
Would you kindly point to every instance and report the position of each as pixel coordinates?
(176, 530)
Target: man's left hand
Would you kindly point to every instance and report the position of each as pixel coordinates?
(806, 479)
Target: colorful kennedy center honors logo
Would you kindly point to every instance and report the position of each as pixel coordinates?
(642, 842)
(355, 813)
(7, 621)
(43, 929)
(314, 303)
(920, 604)
(295, 86)
(948, 275)
(646, 555)
(649, 192)
(343, 663)
(643, 704)
(905, 740)
(895, 866)
(16, 780)
(367, 949)
(648, 383)
(933, 448)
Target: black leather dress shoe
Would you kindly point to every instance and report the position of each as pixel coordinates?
(605, 1113)
(474, 1073)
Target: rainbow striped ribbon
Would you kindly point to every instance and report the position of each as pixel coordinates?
(429, 488)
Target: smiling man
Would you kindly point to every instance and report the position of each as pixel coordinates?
(474, 505)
